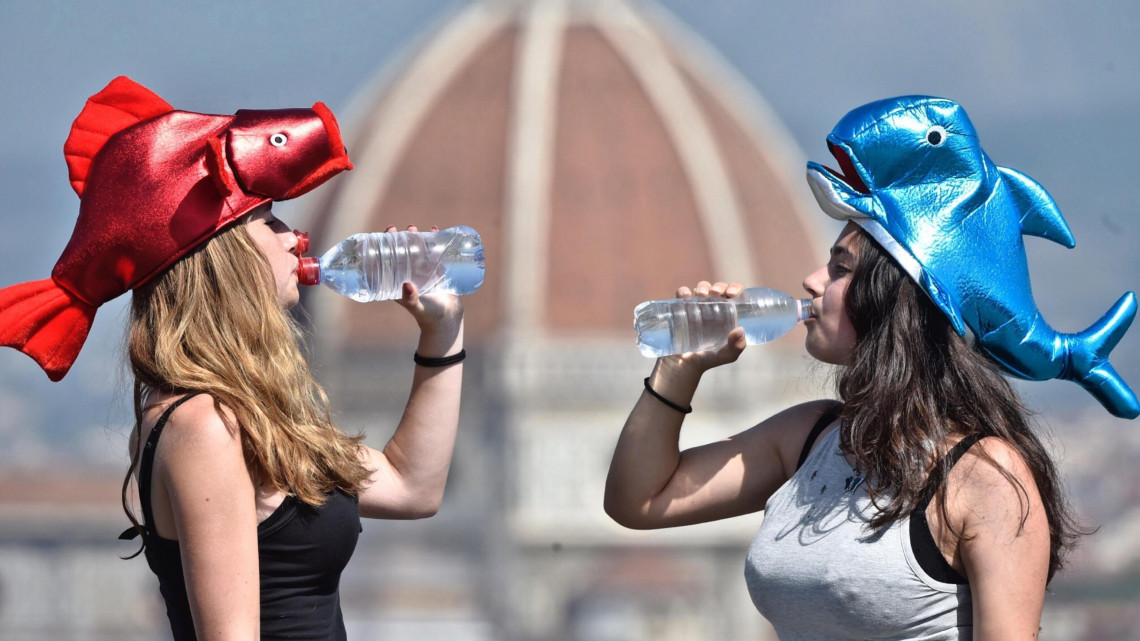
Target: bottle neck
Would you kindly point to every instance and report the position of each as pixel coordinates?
(804, 309)
(309, 271)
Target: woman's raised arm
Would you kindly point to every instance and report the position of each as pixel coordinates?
(652, 484)
(409, 474)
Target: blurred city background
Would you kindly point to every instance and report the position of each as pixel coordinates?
(608, 151)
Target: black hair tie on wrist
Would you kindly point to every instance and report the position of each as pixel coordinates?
(441, 361)
(680, 408)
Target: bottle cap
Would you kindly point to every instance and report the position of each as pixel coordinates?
(302, 242)
(309, 271)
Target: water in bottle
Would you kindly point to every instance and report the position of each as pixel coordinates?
(368, 267)
(680, 325)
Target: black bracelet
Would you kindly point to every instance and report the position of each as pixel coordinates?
(671, 404)
(442, 361)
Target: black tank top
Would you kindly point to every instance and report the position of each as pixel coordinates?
(301, 552)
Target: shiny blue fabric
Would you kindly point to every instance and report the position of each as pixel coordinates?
(913, 175)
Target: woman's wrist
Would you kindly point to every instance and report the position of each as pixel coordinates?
(680, 368)
(676, 380)
(444, 339)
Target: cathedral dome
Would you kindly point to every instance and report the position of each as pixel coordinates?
(605, 155)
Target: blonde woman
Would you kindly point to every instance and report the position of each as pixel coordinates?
(251, 499)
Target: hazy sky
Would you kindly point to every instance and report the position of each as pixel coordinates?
(1052, 86)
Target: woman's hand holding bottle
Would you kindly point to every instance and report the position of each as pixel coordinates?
(699, 362)
(439, 315)
(676, 377)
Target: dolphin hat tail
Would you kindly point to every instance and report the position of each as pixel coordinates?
(1088, 359)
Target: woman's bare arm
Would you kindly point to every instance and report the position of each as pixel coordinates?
(409, 474)
(1006, 559)
(652, 484)
(201, 468)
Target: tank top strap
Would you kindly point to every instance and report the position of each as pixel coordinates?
(922, 543)
(946, 464)
(146, 463)
(829, 415)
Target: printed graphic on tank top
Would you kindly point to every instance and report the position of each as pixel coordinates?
(816, 571)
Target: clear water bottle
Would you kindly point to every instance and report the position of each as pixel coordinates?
(368, 267)
(680, 325)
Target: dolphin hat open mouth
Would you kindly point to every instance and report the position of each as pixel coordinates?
(848, 175)
(842, 193)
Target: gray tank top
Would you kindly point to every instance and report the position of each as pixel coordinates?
(816, 572)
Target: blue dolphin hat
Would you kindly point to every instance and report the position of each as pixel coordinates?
(914, 177)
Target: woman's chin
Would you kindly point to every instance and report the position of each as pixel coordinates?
(826, 353)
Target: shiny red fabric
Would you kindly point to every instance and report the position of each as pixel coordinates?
(156, 187)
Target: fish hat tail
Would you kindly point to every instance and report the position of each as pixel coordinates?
(1088, 359)
(46, 322)
(41, 318)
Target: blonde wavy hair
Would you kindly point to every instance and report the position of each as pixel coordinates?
(212, 323)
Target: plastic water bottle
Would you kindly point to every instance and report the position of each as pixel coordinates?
(368, 267)
(680, 325)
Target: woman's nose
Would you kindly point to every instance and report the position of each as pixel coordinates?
(813, 284)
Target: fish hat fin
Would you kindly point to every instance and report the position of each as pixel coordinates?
(1041, 217)
(121, 104)
(218, 168)
(46, 322)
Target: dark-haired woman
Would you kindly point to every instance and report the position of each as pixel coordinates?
(921, 507)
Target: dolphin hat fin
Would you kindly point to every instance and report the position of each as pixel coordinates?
(1041, 217)
(46, 322)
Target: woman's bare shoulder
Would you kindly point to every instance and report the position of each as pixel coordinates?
(988, 461)
(197, 433)
(788, 429)
(801, 416)
(992, 486)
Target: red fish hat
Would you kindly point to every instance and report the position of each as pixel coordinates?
(154, 183)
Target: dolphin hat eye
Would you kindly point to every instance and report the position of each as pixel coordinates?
(936, 135)
(278, 140)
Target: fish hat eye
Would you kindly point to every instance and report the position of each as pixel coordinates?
(278, 140)
(935, 135)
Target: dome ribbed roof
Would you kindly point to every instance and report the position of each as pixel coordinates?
(603, 155)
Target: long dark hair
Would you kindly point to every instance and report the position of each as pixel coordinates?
(912, 382)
